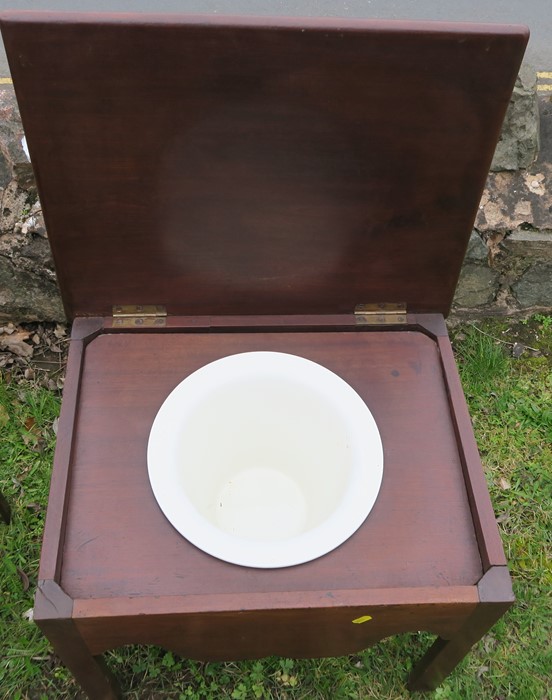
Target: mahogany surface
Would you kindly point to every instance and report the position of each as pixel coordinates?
(114, 571)
(420, 532)
(260, 178)
(235, 166)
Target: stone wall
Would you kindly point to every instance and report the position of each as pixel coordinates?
(518, 145)
(508, 265)
(28, 287)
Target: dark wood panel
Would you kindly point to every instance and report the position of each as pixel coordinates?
(90, 672)
(365, 598)
(495, 591)
(118, 543)
(54, 527)
(490, 544)
(270, 166)
(289, 632)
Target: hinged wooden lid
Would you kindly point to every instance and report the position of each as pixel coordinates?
(249, 166)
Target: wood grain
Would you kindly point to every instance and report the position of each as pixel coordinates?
(247, 166)
(289, 632)
(495, 591)
(55, 525)
(128, 577)
(125, 576)
(492, 552)
(261, 177)
(420, 532)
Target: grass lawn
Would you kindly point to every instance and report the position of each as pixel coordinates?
(507, 376)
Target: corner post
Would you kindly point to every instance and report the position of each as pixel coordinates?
(53, 614)
(495, 596)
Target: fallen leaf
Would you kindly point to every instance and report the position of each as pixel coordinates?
(55, 425)
(30, 423)
(5, 359)
(28, 615)
(15, 343)
(504, 484)
(33, 434)
(60, 331)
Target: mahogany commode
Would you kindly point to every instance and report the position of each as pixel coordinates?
(257, 180)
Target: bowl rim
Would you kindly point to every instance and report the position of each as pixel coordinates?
(360, 493)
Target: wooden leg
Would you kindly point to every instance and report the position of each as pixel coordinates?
(435, 665)
(496, 596)
(89, 671)
(445, 654)
(5, 513)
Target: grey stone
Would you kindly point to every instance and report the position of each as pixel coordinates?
(514, 200)
(14, 162)
(477, 250)
(534, 288)
(5, 172)
(27, 295)
(518, 145)
(477, 286)
(521, 199)
(530, 244)
(13, 203)
(28, 287)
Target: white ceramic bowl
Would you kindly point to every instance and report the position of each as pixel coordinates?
(265, 459)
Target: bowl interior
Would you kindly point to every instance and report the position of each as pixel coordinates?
(263, 453)
(264, 458)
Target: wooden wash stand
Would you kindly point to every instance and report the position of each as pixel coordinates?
(298, 185)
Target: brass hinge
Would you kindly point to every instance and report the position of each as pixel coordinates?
(139, 315)
(380, 314)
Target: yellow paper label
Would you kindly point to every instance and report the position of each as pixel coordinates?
(360, 620)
